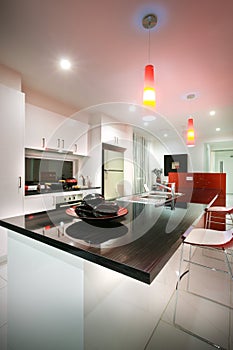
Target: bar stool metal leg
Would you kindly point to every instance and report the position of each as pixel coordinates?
(181, 275)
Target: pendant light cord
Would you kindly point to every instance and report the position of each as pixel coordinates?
(149, 48)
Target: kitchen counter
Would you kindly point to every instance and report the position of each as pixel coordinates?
(60, 190)
(137, 245)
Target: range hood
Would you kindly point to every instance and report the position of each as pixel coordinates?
(51, 153)
(58, 150)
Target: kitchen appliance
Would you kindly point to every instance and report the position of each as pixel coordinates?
(113, 174)
(65, 201)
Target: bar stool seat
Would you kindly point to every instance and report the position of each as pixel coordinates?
(218, 240)
(216, 214)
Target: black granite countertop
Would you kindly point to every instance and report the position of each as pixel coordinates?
(138, 244)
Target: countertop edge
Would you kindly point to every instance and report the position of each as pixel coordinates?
(137, 274)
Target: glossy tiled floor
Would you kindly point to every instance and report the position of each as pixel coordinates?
(124, 314)
(141, 317)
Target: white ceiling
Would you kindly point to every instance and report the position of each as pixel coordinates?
(191, 49)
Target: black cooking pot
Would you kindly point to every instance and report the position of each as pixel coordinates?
(93, 199)
(94, 205)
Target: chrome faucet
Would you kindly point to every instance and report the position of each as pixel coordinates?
(171, 189)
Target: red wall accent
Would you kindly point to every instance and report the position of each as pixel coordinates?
(201, 188)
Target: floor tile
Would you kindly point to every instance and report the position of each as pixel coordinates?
(210, 283)
(169, 274)
(205, 318)
(167, 337)
(128, 316)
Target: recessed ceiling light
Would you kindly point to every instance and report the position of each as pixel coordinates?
(148, 118)
(217, 129)
(65, 64)
(165, 135)
(191, 96)
(212, 113)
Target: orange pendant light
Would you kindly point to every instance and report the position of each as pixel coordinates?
(190, 133)
(149, 96)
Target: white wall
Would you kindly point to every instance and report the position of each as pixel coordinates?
(92, 165)
(40, 100)
(200, 154)
(10, 77)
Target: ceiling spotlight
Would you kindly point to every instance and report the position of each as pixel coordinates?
(217, 129)
(212, 113)
(65, 64)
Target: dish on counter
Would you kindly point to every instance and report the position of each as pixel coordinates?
(120, 213)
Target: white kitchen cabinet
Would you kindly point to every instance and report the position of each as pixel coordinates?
(12, 104)
(11, 151)
(46, 129)
(74, 136)
(39, 126)
(38, 203)
(115, 134)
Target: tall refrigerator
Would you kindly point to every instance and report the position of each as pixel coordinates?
(113, 168)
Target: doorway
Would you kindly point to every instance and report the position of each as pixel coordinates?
(222, 161)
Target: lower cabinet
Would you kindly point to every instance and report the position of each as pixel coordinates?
(37, 203)
(43, 202)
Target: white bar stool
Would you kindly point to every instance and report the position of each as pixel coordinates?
(205, 238)
(216, 214)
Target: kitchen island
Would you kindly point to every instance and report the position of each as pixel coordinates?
(77, 285)
(137, 245)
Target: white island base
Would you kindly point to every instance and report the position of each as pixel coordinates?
(59, 301)
(45, 296)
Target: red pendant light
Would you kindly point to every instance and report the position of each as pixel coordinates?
(149, 96)
(190, 133)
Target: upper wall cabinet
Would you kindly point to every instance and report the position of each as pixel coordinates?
(48, 130)
(115, 134)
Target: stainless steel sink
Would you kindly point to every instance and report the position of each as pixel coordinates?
(157, 198)
(160, 195)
